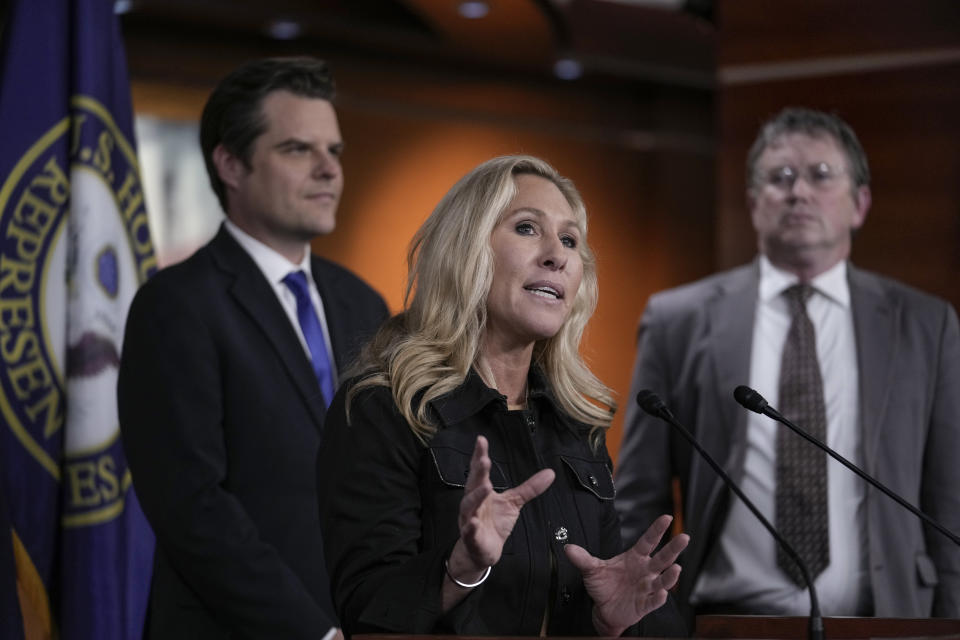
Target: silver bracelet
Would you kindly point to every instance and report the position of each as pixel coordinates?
(465, 585)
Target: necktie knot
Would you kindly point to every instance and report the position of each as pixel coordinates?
(296, 281)
(797, 297)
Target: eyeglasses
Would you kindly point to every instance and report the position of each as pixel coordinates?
(819, 175)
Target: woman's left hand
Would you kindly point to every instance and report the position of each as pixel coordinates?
(629, 586)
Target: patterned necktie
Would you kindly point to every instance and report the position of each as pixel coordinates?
(801, 493)
(296, 281)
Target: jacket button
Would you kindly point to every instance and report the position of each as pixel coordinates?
(592, 479)
(560, 535)
(565, 595)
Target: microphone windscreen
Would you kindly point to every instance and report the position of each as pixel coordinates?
(651, 403)
(750, 399)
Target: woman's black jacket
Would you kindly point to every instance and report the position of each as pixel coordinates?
(389, 508)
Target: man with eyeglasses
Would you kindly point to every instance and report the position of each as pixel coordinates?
(869, 365)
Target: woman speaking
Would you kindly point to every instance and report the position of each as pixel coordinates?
(464, 478)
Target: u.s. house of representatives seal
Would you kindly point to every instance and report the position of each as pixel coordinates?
(74, 247)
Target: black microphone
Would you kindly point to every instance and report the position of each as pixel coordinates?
(652, 404)
(753, 401)
(750, 399)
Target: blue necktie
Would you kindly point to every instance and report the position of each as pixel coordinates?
(296, 281)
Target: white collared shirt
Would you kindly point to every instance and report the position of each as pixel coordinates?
(275, 268)
(743, 569)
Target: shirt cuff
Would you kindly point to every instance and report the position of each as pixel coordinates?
(329, 634)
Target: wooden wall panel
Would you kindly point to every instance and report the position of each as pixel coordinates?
(753, 31)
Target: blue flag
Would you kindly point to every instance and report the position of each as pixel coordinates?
(74, 247)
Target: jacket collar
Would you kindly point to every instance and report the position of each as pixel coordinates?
(877, 320)
(473, 396)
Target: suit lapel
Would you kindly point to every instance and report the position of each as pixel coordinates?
(731, 341)
(256, 297)
(335, 308)
(876, 320)
(728, 342)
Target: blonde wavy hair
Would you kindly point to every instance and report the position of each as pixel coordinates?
(429, 348)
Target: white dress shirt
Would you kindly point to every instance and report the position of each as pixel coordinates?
(743, 568)
(275, 268)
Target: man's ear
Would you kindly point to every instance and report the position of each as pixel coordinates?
(229, 167)
(862, 199)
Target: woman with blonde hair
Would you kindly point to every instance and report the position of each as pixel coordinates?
(465, 486)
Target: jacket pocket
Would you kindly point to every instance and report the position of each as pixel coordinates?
(593, 475)
(453, 467)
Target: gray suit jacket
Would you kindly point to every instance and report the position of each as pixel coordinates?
(694, 349)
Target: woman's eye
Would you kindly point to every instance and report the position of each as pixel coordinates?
(569, 242)
(525, 228)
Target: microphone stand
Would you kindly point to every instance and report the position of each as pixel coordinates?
(752, 400)
(653, 405)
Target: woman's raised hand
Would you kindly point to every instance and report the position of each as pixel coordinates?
(487, 517)
(629, 586)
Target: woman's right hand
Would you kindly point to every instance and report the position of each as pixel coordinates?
(487, 517)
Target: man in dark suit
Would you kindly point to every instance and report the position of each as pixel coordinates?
(886, 370)
(227, 370)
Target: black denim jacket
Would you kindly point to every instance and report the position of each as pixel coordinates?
(389, 510)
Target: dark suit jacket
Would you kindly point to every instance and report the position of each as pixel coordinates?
(221, 417)
(694, 349)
